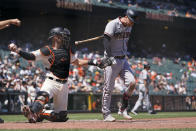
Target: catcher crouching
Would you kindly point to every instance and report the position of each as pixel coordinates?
(56, 58)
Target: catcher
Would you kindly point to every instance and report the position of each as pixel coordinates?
(56, 58)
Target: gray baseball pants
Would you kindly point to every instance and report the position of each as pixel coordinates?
(121, 68)
(143, 96)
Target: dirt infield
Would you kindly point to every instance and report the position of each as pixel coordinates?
(189, 122)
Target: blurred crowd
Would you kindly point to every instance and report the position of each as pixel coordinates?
(15, 75)
(173, 8)
(16, 78)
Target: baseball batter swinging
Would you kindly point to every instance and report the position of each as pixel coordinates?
(114, 63)
(116, 36)
(56, 58)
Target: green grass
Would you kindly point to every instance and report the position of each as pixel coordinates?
(82, 116)
(98, 116)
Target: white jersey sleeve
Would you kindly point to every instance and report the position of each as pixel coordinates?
(38, 55)
(110, 28)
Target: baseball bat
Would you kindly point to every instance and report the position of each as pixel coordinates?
(88, 40)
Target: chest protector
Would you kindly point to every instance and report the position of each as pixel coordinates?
(59, 60)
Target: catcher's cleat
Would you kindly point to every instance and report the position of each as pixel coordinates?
(50, 115)
(32, 117)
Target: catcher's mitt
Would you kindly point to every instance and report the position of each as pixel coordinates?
(103, 63)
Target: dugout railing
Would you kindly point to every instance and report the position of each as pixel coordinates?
(92, 102)
(12, 102)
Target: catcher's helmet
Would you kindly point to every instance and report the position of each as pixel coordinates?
(64, 32)
(132, 15)
(146, 66)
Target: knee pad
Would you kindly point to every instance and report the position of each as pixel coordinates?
(42, 97)
(37, 107)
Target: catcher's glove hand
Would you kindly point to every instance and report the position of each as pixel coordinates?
(103, 63)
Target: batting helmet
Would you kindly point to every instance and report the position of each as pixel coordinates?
(146, 66)
(64, 32)
(132, 15)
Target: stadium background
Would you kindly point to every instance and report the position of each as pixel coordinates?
(155, 35)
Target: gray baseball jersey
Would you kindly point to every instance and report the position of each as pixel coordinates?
(143, 76)
(143, 96)
(119, 35)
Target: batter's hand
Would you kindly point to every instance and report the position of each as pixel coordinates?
(106, 62)
(80, 62)
(13, 47)
(16, 22)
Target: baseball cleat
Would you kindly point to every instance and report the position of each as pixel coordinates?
(109, 118)
(133, 112)
(126, 115)
(32, 117)
(152, 112)
(119, 109)
(119, 112)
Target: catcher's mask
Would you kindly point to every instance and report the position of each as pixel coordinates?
(63, 32)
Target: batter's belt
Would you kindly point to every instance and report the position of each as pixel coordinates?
(57, 80)
(119, 57)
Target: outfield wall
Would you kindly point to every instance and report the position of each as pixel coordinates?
(81, 102)
(11, 103)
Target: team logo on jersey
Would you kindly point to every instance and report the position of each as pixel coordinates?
(121, 35)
